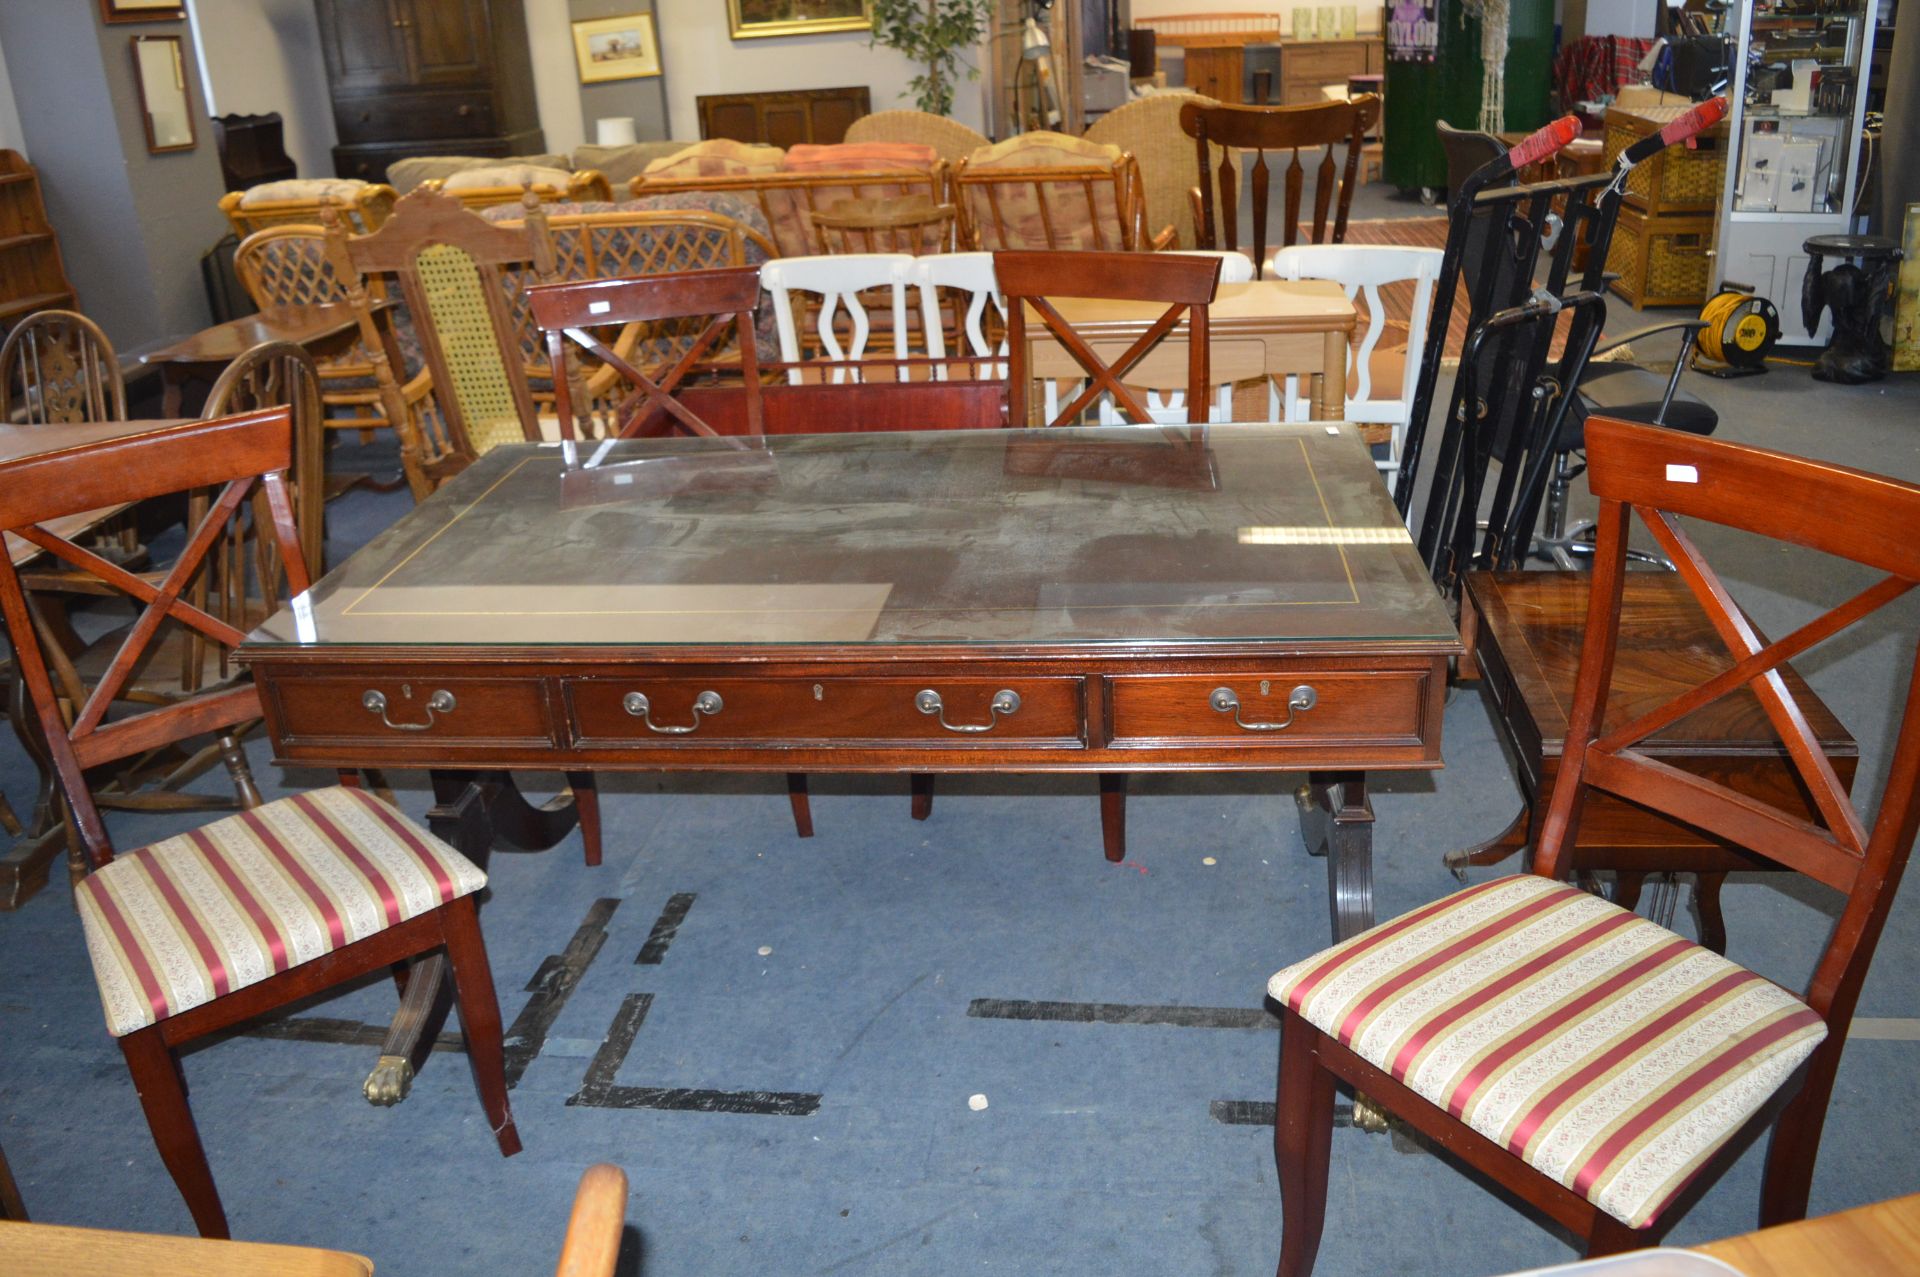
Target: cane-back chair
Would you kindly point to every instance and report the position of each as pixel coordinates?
(1275, 128)
(196, 933)
(288, 265)
(1598, 1066)
(1048, 191)
(449, 264)
(57, 367)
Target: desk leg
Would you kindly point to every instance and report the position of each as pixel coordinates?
(471, 810)
(173, 380)
(1336, 819)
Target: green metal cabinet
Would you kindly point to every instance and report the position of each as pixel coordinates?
(1448, 88)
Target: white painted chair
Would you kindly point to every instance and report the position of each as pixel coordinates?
(970, 274)
(1366, 268)
(835, 284)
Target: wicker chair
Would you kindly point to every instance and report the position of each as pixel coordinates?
(364, 205)
(912, 224)
(951, 140)
(1149, 130)
(288, 266)
(480, 188)
(1048, 191)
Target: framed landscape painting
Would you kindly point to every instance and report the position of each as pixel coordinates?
(623, 48)
(750, 19)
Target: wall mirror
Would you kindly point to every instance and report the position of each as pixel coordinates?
(160, 73)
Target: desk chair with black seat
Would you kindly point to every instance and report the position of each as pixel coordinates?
(1626, 389)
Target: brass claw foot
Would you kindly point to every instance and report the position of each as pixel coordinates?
(1367, 1116)
(391, 1079)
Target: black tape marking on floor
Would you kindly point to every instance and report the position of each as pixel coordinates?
(552, 984)
(319, 1028)
(1260, 1113)
(597, 1089)
(1122, 1013)
(665, 927)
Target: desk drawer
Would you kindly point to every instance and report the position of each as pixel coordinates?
(1383, 706)
(394, 711)
(646, 712)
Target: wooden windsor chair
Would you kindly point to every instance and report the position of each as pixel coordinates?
(1600, 1068)
(194, 934)
(1220, 130)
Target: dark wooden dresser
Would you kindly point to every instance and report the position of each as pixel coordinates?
(427, 77)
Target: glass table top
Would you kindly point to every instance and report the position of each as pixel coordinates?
(1117, 535)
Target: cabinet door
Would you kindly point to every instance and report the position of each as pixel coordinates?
(364, 44)
(1215, 72)
(448, 40)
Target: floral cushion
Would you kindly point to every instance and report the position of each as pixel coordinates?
(303, 190)
(1610, 1054)
(1044, 150)
(859, 157)
(718, 157)
(518, 175)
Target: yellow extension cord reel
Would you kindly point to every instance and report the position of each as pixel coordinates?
(1740, 333)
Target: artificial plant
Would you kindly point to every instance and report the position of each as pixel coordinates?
(933, 33)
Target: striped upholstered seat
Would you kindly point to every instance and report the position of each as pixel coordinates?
(193, 918)
(1607, 1052)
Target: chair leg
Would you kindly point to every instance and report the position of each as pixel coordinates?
(802, 808)
(479, 1017)
(1788, 1180)
(586, 801)
(1302, 1144)
(1706, 902)
(1611, 1237)
(11, 1207)
(239, 770)
(1113, 815)
(921, 783)
(1626, 889)
(164, 1098)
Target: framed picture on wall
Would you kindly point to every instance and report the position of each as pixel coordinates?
(622, 48)
(143, 10)
(750, 19)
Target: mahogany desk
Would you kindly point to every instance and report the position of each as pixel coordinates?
(1114, 600)
(323, 328)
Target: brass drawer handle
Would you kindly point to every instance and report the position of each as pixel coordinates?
(1005, 701)
(441, 702)
(706, 704)
(1299, 700)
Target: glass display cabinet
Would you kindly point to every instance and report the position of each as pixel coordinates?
(1799, 67)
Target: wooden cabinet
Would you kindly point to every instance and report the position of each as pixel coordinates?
(427, 77)
(32, 276)
(783, 119)
(1216, 71)
(1306, 66)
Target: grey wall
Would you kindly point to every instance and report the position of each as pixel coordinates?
(132, 225)
(645, 100)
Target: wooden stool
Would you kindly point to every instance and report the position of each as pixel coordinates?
(1523, 631)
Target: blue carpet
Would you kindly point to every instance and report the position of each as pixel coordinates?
(885, 967)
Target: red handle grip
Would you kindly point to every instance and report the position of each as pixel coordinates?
(1538, 145)
(1686, 125)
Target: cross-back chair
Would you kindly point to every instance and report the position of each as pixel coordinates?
(570, 314)
(911, 224)
(57, 367)
(196, 933)
(1598, 1066)
(1186, 285)
(288, 265)
(1275, 128)
(448, 262)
